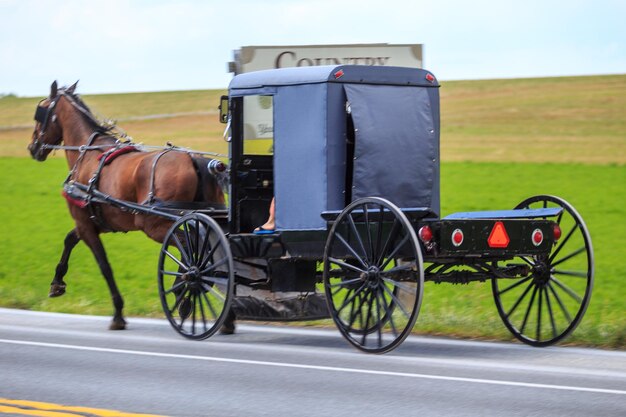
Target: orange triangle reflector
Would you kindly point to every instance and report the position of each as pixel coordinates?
(498, 237)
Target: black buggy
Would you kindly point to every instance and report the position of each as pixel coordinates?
(351, 156)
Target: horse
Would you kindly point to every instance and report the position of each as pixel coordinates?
(64, 121)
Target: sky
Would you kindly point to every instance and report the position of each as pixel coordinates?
(156, 45)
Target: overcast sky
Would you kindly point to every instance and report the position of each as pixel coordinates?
(155, 45)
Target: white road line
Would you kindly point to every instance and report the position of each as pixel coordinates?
(315, 367)
(333, 333)
(237, 346)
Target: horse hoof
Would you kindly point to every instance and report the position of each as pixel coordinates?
(229, 325)
(227, 329)
(117, 324)
(56, 290)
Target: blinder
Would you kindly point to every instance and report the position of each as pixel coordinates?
(41, 114)
(44, 115)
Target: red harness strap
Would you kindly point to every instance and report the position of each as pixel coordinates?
(121, 151)
(74, 201)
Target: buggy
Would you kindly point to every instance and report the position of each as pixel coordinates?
(351, 156)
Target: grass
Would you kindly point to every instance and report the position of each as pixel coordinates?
(565, 119)
(595, 191)
(502, 141)
(36, 221)
(19, 111)
(562, 119)
(193, 120)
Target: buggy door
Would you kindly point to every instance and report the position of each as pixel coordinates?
(252, 158)
(396, 148)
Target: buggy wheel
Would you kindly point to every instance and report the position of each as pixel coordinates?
(544, 306)
(196, 276)
(373, 275)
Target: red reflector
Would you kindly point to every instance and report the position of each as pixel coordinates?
(425, 234)
(537, 237)
(430, 78)
(557, 231)
(339, 74)
(498, 237)
(457, 237)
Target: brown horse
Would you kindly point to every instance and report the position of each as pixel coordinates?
(132, 176)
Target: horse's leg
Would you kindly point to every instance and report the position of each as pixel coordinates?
(92, 240)
(229, 323)
(57, 286)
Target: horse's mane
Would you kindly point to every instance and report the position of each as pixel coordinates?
(79, 104)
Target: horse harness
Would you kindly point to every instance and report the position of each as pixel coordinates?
(45, 115)
(85, 200)
(82, 195)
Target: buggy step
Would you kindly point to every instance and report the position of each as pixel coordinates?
(249, 245)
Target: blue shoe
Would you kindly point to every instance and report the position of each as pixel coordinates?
(261, 231)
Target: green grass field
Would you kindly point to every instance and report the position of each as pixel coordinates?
(502, 141)
(36, 221)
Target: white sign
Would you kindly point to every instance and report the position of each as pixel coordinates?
(254, 58)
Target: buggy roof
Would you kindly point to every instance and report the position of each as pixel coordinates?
(359, 74)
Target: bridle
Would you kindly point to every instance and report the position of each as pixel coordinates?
(45, 116)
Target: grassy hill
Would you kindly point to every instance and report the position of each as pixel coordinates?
(502, 141)
(561, 119)
(565, 119)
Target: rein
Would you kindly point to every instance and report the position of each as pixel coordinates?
(139, 146)
(80, 148)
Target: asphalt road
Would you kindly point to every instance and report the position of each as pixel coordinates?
(70, 360)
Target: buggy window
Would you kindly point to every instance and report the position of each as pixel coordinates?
(258, 125)
(395, 150)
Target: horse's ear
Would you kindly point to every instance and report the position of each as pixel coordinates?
(53, 90)
(72, 88)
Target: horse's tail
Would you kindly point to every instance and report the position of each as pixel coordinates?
(210, 186)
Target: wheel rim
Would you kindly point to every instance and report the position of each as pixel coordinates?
(544, 306)
(195, 276)
(374, 298)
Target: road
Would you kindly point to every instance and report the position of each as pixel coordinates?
(54, 360)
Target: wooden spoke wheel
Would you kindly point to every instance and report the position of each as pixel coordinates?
(373, 275)
(196, 276)
(544, 306)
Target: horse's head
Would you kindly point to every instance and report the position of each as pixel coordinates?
(48, 131)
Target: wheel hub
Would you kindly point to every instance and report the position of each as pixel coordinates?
(191, 275)
(371, 276)
(541, 273)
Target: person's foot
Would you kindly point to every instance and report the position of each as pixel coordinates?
(268, 227)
